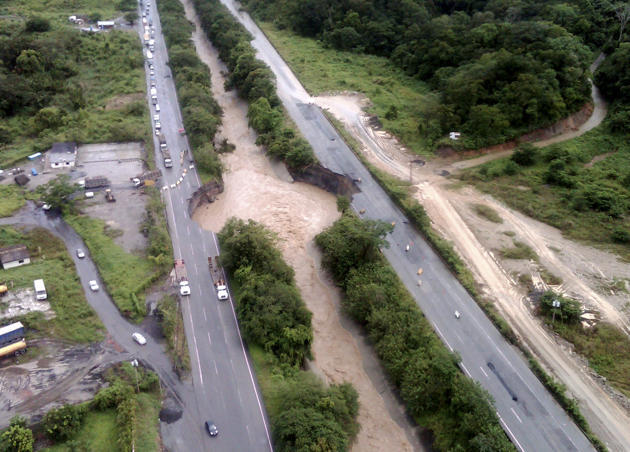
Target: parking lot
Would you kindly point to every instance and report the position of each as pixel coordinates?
(118, 162)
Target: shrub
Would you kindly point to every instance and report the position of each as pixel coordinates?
(621, 235)
(63, 423)
(525, 154)
(37, 25)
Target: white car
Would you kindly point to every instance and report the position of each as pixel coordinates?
(93, 285)
(157, 107)
(89, 194)
(184, 288)
(158, 125)
(457, 315)
(46, 207)
(151, 72)
(156, 118)
(80, 253)
(222, 294)
(139, 338)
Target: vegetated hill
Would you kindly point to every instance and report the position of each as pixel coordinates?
(55, 81)
(501, 68)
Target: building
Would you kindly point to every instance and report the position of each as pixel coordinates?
(62, 155)
(105, 24)
(14, 256)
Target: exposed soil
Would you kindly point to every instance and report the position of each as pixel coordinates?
(263, 191)
(63, 374)
(585, 271)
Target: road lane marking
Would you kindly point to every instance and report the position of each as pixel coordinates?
(195, 341)
(442, 336)
(510, 434)
(483, 371)
(209, 340)
(205, 317)
(514, 412)
(465, 370)
(216, 371)
(251, 376)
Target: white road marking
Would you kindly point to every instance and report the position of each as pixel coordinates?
(514, 412)
(442, 336)
(195, 341)
(209, 340)
(465, 370)
(483, 371)
(510, 434)
(216, 371)
(205, 317)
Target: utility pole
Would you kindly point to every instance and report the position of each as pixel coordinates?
(555, 304)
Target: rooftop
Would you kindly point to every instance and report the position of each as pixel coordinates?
(13, 253)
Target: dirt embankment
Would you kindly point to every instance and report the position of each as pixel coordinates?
(264, 191)
(587, 273)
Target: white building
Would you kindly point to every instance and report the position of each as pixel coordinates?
(62, 155)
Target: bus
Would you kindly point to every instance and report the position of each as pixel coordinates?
(40, 289)
(11, 333)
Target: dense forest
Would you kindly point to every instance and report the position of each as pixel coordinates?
(498, 68)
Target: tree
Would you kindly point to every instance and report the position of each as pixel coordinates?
(37, 24)
(622, 11)
(57, 193)
(63, 423)
(17, 438)
(343, 203)
(525, 154)
(131, 17)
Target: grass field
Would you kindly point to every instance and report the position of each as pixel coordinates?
(323, 70)
(147, 423)
(125, 275)
(75, 320)
(11, 199)
(97, 433)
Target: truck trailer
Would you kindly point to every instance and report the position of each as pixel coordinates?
(218, 278)
(181, 277)
(166, 155)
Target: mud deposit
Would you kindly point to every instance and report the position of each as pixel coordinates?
(257, 189)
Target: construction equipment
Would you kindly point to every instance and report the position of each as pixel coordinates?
(109, 196)
(3, 290)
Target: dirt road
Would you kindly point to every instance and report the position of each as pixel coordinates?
(258, 189)
(476, 239)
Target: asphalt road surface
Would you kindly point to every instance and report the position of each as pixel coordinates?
(223, 379)
(528, 413)
(152, 354)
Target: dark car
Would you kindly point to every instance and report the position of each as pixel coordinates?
(211, 428)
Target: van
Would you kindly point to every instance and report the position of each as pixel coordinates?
(40, 290)
(149, 55)
(153, 91)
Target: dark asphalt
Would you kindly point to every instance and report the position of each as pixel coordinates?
(223, 380)
(528, 413)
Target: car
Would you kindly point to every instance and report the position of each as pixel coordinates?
(151, 72)
(151, 65)
(223, 295)
(211, 428)
(158, 125)
(184, 288)
(46, 207)
(157, 107)
(156, 118)
(139, 338)
(80, 253)
(93, 285)
(89, 194)
(457, 315)
(152, 48)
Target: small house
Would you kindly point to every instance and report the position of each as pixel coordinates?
(14, 256)
(105, 24)
(62, 155)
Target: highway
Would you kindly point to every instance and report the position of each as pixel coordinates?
(223, 379)
(527, 412)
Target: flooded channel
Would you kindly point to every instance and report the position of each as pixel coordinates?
(263, 191)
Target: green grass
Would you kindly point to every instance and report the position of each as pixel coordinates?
(322, 70)
(125, 275)
(147, 423)
(488, 213)
(549, 277)
(97, 433)
(11, 199)
(173, 328)
(520, 250)
(74, 318)
(527, 191)
(606, 348)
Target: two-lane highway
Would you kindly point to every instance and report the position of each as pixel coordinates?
(529, 415)
(224, 382)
